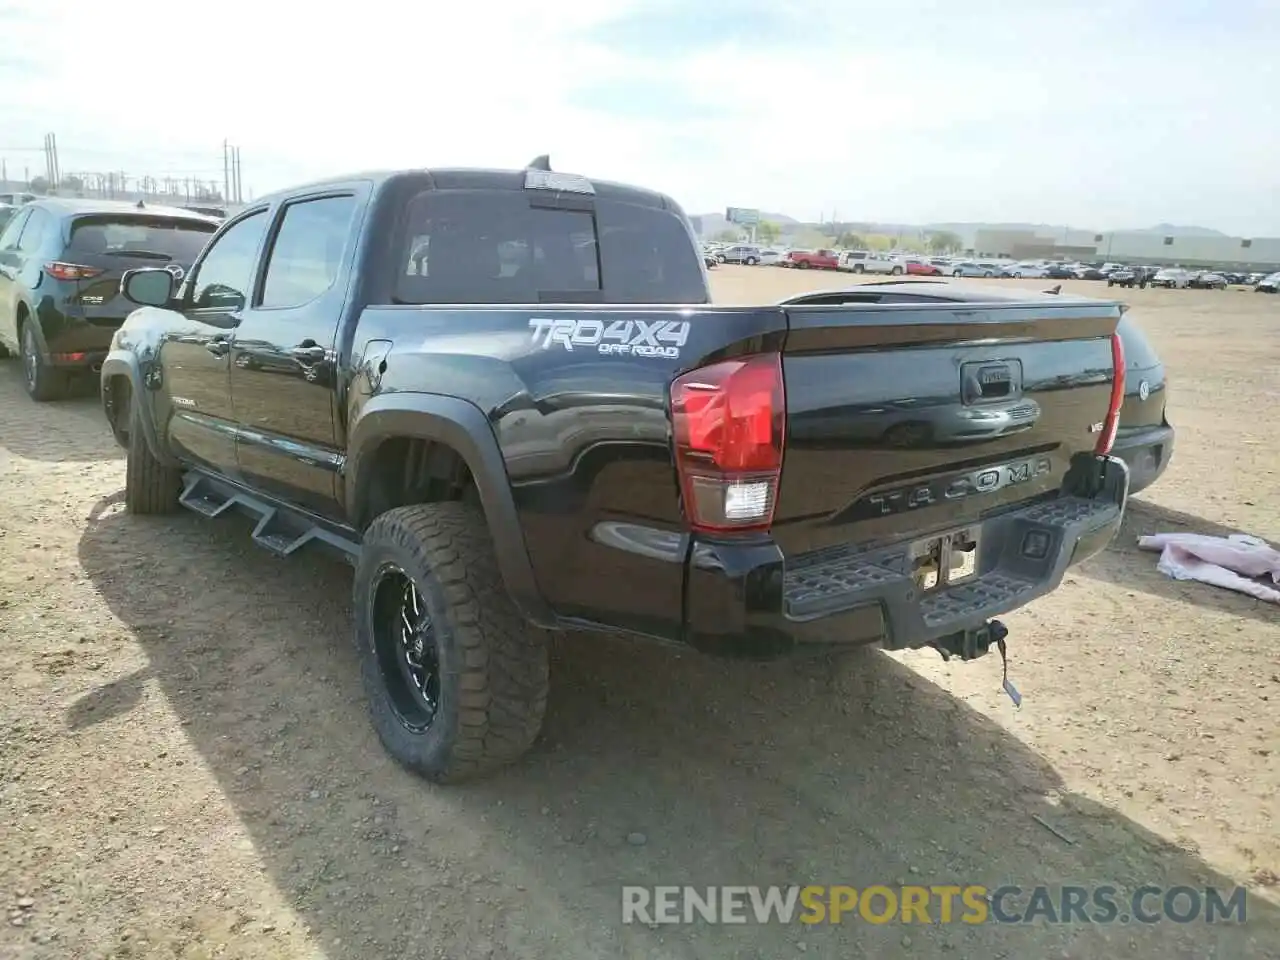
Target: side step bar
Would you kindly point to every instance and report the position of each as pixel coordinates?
(279, 530)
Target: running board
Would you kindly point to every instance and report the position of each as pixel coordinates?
(277, 529)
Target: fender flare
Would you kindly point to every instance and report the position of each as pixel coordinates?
(122, 363)
(462, 426)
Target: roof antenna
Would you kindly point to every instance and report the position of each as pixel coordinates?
(542, 162)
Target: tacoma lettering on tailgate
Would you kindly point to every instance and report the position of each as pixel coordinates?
(957, 487)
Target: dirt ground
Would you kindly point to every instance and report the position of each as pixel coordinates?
(186, 770)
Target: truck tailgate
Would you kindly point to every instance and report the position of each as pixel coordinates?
(909, 418)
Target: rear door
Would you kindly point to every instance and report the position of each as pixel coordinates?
(284, 355)
(893, 409)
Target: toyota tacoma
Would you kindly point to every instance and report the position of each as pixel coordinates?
(506, 397)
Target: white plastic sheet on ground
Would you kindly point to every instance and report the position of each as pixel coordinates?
(1238, 562)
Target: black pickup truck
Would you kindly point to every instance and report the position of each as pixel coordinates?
(506, 397)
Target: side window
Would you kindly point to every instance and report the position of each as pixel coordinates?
(34, 232)
(307, 253)
(223, 277)
(9, 239)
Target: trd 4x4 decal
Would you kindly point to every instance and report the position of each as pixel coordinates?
(634, 338)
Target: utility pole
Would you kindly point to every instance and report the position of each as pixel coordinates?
(237, 186)
(226, 170)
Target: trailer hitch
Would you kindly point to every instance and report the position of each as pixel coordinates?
(971, 644)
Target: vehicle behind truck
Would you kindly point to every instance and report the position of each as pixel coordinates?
(506, 397)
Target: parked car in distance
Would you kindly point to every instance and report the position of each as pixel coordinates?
(1124, 277)
(743, 253)
(916, 267)
(1268, 284)
(970, 268)
(17, 199)
(1173, 278)
(1061, 271)
(61, 261)
(1090, 273)
(1207, 280)
(1034, 271)
(7, 210)
(770, 256)
(865, 261)
(816, 259)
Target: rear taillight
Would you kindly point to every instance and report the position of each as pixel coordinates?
(729, 422)
(71, 271)
(1107, 438)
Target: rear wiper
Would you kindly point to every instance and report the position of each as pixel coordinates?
(143, 254)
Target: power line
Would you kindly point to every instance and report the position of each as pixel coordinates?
(181, 181)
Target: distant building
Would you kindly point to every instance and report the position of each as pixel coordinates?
(1130, 246)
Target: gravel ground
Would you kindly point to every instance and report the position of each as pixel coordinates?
(186, 770)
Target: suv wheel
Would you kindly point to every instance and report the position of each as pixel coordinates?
(897, 271)
(456, 680)
(43, 382)
(750, 261)
(150, 487)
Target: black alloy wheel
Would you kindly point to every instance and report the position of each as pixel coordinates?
(404, 639)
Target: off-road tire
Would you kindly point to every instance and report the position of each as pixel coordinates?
(150, 487)
(493, 665)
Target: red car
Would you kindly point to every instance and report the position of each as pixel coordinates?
(918, 268)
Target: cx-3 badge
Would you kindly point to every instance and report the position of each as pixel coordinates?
(1144, 390)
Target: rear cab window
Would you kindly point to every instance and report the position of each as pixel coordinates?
(139, 235)
(503, 246)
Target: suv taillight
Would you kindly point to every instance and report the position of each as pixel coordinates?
(729, 423)
(71, 271)
(1107, 438)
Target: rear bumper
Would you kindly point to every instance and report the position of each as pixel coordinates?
(745, 599)
(1146, 452)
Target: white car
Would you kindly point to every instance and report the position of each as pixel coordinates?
(863, 261)
(770, 256)
(1035, 271)
(1173, 278)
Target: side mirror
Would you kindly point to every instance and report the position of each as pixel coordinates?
(148, 286)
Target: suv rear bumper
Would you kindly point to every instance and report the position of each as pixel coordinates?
(1147, 452)
(745, 599)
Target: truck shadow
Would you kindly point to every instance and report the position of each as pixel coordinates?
(655, 768)
(1123, 564)
(70, 429)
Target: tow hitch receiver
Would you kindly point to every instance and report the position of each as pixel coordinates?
(971, 644)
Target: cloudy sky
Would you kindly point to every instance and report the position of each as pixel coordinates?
(1095, 114)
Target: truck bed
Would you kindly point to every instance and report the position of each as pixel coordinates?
(909, 414)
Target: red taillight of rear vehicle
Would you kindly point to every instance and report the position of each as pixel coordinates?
(1109, 426)
(71, 271)
(729, 424)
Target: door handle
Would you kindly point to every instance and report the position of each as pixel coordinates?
(308, 353)
(219, 347)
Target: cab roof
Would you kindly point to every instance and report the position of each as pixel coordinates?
(470, 178)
